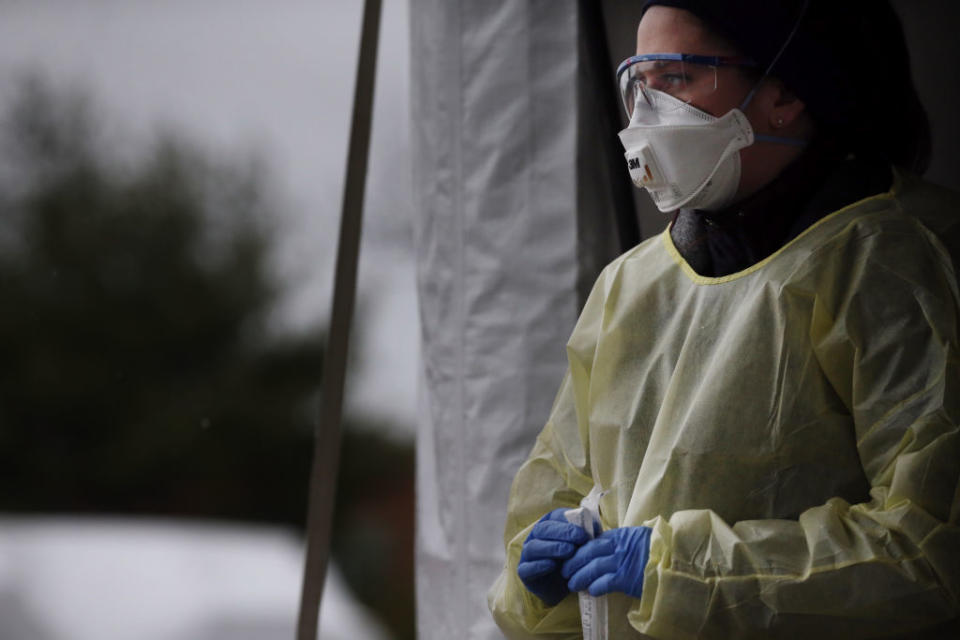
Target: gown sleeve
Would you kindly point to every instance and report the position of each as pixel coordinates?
(555, 474)
(884, 331)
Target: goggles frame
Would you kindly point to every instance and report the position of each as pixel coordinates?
(693, 58)
(710, 61)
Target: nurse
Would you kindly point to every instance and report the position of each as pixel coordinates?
(767, 395)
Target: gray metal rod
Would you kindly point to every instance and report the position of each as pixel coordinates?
(326, 454)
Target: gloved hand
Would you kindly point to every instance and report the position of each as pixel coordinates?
(614, 561)
(551, 541)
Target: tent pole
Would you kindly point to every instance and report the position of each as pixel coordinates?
(326, 454)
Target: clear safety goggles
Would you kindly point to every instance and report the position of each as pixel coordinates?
(684, 76)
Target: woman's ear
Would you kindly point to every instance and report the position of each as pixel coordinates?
(786, 107)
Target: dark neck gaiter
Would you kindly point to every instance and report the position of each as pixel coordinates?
(820, 181)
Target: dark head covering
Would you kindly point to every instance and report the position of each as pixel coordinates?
(847, 61)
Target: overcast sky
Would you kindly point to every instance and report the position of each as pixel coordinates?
(276, 78)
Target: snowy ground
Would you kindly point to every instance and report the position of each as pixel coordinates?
(116, 579)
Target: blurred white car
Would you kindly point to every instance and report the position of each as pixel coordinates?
(67, 578)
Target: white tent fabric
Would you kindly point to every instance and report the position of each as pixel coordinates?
(495, 127)
(114, 579)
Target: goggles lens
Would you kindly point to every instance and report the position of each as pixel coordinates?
(683, 76)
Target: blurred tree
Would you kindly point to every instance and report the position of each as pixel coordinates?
(137, 374)
(373, 532)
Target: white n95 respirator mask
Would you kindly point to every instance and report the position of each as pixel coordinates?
(683, 156)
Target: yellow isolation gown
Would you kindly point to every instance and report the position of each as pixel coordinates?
(790, 433)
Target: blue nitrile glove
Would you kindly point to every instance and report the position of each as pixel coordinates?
(551, 541)
(612, 562)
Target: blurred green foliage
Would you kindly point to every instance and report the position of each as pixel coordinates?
(137, 371)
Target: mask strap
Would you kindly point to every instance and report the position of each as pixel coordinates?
(795, 142)
(746, 101)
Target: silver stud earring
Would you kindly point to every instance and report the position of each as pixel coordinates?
(779, 122)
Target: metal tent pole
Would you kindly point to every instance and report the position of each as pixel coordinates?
(326, 454)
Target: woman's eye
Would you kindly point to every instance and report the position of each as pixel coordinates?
(674, 79)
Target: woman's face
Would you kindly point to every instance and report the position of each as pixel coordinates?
(670, 30)
(772, 109)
